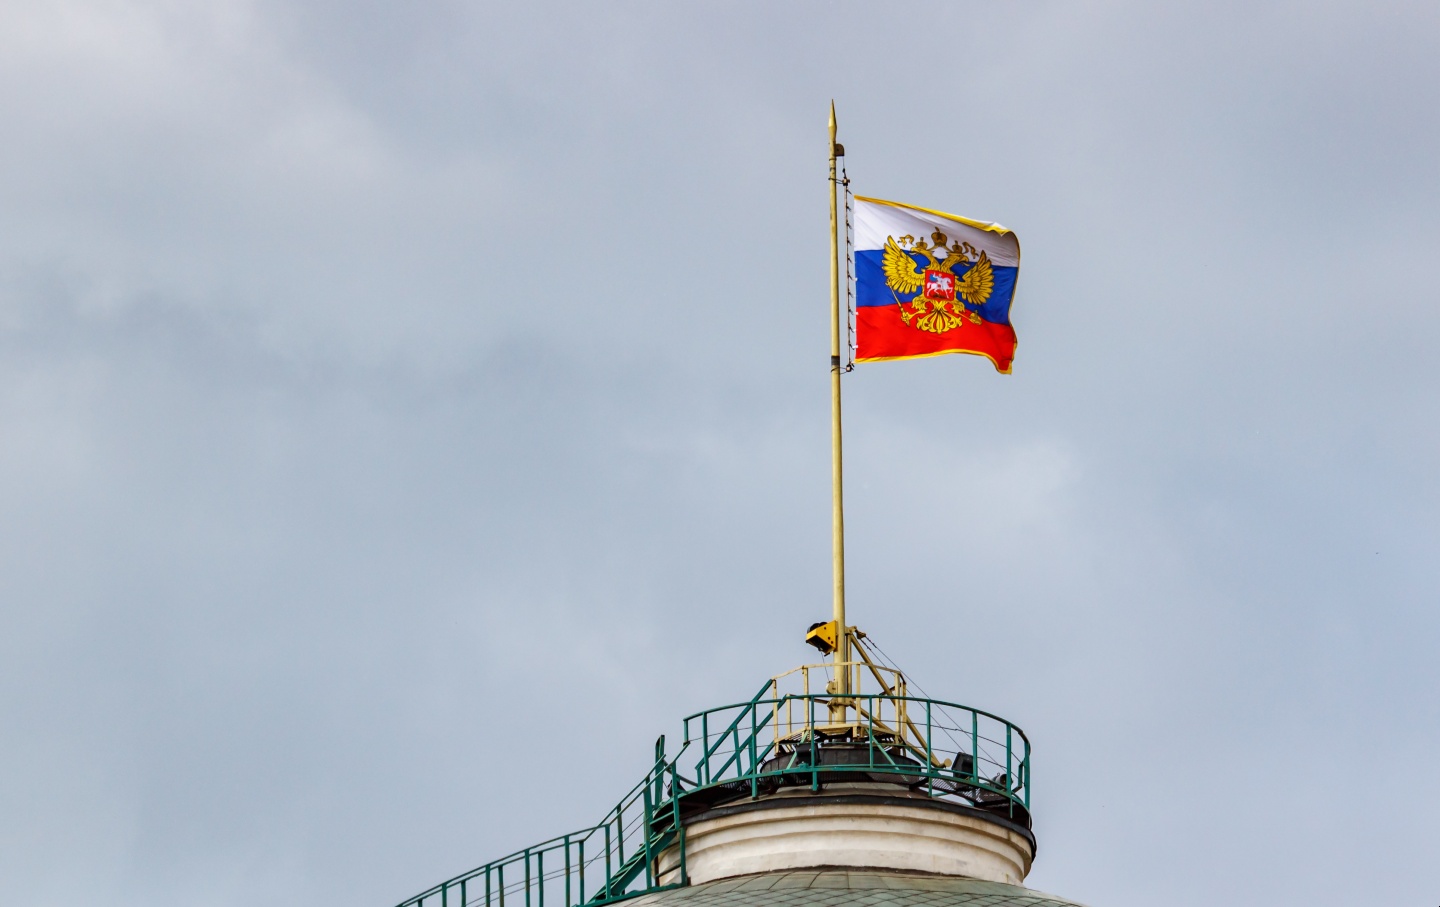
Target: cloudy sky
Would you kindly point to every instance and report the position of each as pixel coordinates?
(408, 411)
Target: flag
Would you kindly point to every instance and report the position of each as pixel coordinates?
(928, 283)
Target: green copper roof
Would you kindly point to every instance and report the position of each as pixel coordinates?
(849, 888)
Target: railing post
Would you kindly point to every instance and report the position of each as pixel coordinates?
(869, 732)
(754, 769)
(1025, 769)
(527, 877)
(735, 737)
(929, 751)
(775, 717)
(581, 857)
(679, 827)
(445, 894)
(1009, 773)
(975, 746)
(605, 892)
(645, 837)
(814, 748)
(566, 845)
(704, 748)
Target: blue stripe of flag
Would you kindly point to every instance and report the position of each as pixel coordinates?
(871, 289)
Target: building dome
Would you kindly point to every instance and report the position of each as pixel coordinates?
(850, 888)
(832, 785)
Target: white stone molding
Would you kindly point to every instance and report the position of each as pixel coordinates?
(875, 835)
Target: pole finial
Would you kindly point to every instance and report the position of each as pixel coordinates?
(832, 121)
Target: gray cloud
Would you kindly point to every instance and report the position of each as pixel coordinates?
(409, 415)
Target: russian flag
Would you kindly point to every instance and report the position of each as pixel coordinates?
(929, 283)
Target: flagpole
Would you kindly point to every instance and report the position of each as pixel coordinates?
(842, 648)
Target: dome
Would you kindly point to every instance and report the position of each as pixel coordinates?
(819, 790)
(849, 888)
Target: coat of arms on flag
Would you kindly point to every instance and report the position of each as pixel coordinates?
(928, 283)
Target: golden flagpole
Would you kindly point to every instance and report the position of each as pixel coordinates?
(842, 648)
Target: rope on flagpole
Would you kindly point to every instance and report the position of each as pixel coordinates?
(849, 275)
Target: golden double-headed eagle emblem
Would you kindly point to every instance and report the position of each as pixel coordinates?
(945, 298)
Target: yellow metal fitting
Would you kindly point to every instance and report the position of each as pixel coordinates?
(824, 636)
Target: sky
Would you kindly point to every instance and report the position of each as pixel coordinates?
(408, 412)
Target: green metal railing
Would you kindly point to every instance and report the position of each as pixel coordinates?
(593, 865)
(746, 750)
(942, 749)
